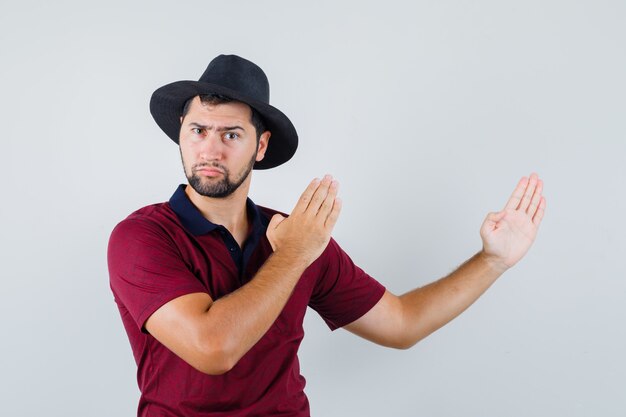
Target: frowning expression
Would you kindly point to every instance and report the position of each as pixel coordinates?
(218, 147)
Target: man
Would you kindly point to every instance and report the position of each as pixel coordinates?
(212, 289)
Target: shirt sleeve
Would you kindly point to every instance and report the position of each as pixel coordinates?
(146, 269)
(343, 291)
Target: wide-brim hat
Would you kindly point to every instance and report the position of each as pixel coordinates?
(241, 80)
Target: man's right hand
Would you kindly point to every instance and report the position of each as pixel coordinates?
(306, 232)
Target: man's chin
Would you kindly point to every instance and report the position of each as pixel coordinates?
(210, 188)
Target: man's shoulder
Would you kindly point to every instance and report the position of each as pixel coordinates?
(153, 211)
(156, 217)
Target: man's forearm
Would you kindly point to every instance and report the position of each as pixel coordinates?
(428, 308)
(244, 316)
(297, 242)
(213, 335)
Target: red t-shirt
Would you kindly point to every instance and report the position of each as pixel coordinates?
(167, 250)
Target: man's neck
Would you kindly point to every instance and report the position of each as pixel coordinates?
(230, 212)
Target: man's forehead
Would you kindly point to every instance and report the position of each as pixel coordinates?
(218, 114)
(229, 107)
(217, 127)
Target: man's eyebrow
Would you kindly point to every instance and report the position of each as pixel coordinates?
(219, 129)
(223, 128)
(194, 124)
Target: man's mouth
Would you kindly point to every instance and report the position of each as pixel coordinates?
(210, 171)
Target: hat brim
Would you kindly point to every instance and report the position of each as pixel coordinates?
(166, 107)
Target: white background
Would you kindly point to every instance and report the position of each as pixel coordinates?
(427, 112)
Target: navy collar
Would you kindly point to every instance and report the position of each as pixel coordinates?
(196, 223)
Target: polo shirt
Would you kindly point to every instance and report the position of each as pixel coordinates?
(167, 250)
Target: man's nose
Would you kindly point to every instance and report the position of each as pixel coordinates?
(212, 147)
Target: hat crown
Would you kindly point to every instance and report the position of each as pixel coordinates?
(238, 74)
(241, 80)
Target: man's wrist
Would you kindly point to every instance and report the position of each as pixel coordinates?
(291, 259)
(492, 262)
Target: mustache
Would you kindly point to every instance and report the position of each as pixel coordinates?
(209, 165)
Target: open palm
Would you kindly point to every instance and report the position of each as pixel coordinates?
(508, 234)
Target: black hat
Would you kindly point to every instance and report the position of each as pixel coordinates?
(241, 80)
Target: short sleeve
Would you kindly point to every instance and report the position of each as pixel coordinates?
(146, 269)
(343, 291)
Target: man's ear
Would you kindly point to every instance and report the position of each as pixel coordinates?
(263, 144)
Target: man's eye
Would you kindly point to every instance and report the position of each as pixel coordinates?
(196, 130)
(231, 135)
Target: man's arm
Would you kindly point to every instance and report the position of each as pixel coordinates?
(213, 335)
(401, 321)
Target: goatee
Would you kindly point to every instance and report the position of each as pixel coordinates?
(217, 188)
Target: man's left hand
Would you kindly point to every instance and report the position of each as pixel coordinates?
(508, 234)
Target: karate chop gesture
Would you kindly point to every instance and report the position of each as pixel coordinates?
(306, 232)
(507, 235)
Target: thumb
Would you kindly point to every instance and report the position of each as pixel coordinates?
(491, 221)
(275, 221)
(496, 217)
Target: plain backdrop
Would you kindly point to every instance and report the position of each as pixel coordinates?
(427, 112)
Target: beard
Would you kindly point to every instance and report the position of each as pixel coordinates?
(217, 188)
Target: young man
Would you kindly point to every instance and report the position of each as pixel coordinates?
(212, 289)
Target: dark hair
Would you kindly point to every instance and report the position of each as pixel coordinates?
(255, 118)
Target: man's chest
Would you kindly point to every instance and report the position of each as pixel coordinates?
(213, 264)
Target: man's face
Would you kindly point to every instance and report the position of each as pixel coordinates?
(218, 147)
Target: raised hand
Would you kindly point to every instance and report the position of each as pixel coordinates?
(508, 234)
(306, 232)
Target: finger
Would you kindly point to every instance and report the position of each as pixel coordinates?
(540, 212)
(328, 202)
(496, 217)
(534, 202)
(305, 198)
(331, 220)
(275, 221)
(319, 195)
(492, 220)
(516, 197)
(532, 184)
